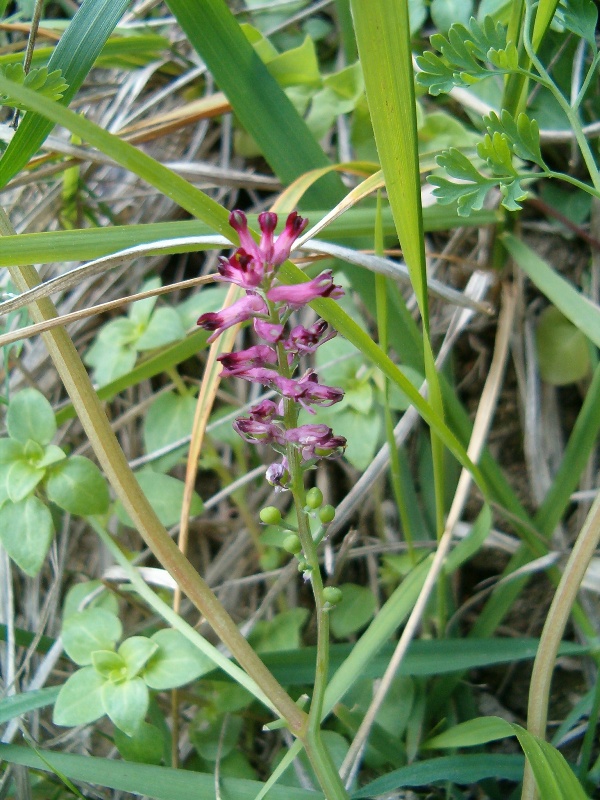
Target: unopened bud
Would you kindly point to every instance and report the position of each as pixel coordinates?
(327, 514)
(314, 498)
(270, 515)
(332, 595)
(292, 544)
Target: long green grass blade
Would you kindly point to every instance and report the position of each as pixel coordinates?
(87, 243)
(554, 778)
(463, 769)
(257, 99)
(74, 55)
(157, 783)
(11, 707)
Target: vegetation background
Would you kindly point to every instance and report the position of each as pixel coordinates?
(460, 213)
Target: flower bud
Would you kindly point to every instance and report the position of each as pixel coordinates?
(303, 566)
(332, 595)
(292, 544)
(270, 515)
(327, 514)
(314, 498)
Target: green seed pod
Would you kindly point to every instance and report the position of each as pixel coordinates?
(270, 515)
(327, 514)
(314, 498)
(332, 595)
(303, 566)
(292, 544)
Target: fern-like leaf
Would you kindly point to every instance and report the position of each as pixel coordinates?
(464, 56)
(469, 187)
(579, 17)
(51, 85)
(522, 133)
(496, 151)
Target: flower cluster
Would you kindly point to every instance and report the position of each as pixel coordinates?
(269, 304)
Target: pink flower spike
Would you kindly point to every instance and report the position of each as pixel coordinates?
(294, 226)
(242, 269)
(300, 294)
(239, 223)
(269, 331)
(237, 363)
(240, 311)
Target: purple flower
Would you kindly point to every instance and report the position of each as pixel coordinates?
(266, 410)
(269, 331)
(294, 226)
(299, 294)
(307, 391)
(318, 394)
(254, 431)
(237, 363)
(239, 311)
(278, 474)
(307, 340)
(316, 441)
(268, 253)
(241, 269)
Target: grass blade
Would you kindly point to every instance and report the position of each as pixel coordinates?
(74, 55)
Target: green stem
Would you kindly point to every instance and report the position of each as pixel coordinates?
(112, 460)
(558, 615)
(571, 114)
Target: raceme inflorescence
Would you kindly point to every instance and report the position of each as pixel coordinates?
(275, 363)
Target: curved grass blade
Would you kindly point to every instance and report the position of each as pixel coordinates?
(14, 706)
(74, 55)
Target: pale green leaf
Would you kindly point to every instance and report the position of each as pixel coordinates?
(30, 416)
(563, 350)
(86, 631)
(77, 594)
(163, 328)
(145, 746)
(136, 652)
(469, 734)
(26, 531)
(78, 486)
(126, 703)
(175, 663)
(21, 479)
(80, 699)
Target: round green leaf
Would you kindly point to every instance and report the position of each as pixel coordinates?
(10, 450)
(21, 479)
(77, 485)
(165, 326)
(209, 738)
(76, 598)
(563, 350)
(354, 611)
(169, 419)
(80, 699)
(144, 747)
(165, 495)
(26, 530)
(51, 455)
(30, 416)
(126, 703)
(136, 652)
(87, 631)
(175, 662)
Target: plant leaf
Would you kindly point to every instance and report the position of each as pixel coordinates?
(90, 630)
(80, 700)
(126, 703)
(78, 486)
(175, 662)
(26, 531)
(30, 416)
